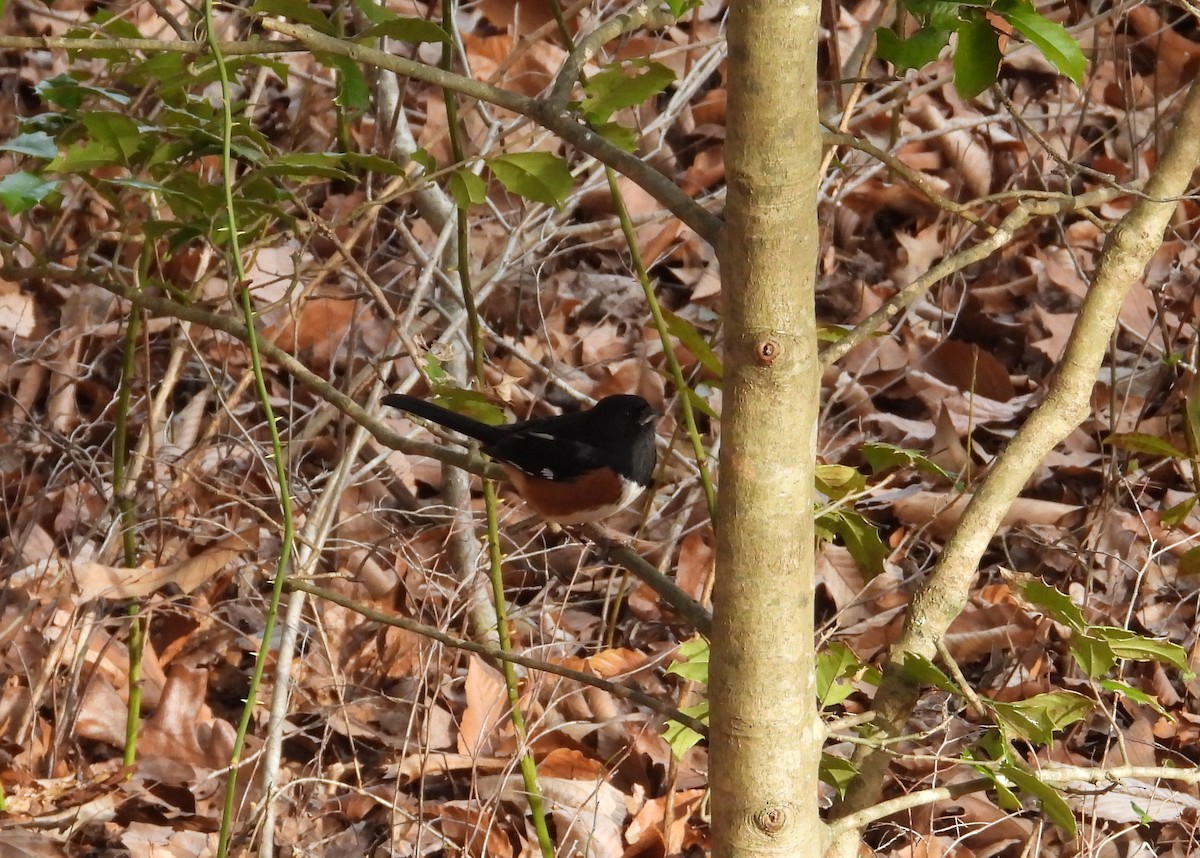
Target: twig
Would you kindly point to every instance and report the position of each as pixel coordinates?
(1003, 234)
(703, 222)
(617, 690)
(621, 553)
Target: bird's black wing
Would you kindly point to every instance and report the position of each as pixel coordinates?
(546, 455)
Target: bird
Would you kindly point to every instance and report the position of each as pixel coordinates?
(574, 468)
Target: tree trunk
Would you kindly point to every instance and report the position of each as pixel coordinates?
(766, 739)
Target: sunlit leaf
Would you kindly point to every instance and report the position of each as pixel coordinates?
(1140, 442)
(294, 10)
(36, 144)
(680, 737)
(21, 191)
(1051, 38)
(693, 661)
(1039, 717)
(413, 30)
(839, 773)
(537, 176)
(917, 51)
(834, 664)
(687, 334)
(353, 91)
(467, 188)
(623, 85)
(976, 57)
(1051, 802)
(1058, 605)
(920, 669)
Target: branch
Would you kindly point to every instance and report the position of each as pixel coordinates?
(854, 822)
(227, 324)
(149, 46)
(623, 555)
(622, 691)
(688, 609)
(1002, 235)
(1062, 776)
(914, 177)
(941, 598)
(546, 114)
(589, 46)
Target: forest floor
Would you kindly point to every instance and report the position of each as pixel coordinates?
(394, 743)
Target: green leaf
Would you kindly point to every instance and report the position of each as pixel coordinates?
(1055, 604)
(682, 738)
(428, 162)
(118, 131)
(833, 333)
(679, 8)
(113, 25)
(838, 481)
(374, 12)
(1191, 416)
(880, 457)
(21, 191)
(1140, 442)
(1094, 657)
(1136, 695)
(693, 663)
(295, 10)
(36, 144)
(537, 176)
(941, 14)
(920, 669)
(837, 772)
(976, 58)
(696, 396)
(612, 89)
(353, 91)
(694, 649)
(691, 339)
(434, 371)
(1037, 718)
(1048, 37)
(415, 30)
(834, 664)
(1177, 514)
(137, 184)
(1127, 644)
(467, 188)
(84, 158)
(468, 402)
(1189, 563)
(69, 93)
(917, 51)
(326, 165)
(372, 163)
(993, 745)
(189, 196)
(860, 537)
(1052, 804)
(617, 134)
(177, 233)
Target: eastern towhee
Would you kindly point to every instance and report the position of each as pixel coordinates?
(573, 468)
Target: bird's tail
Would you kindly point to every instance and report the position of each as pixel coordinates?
(444, 417)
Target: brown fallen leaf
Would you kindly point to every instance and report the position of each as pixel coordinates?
(97, 581)
(941, 511)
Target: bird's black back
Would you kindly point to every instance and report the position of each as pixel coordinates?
(618, 433)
